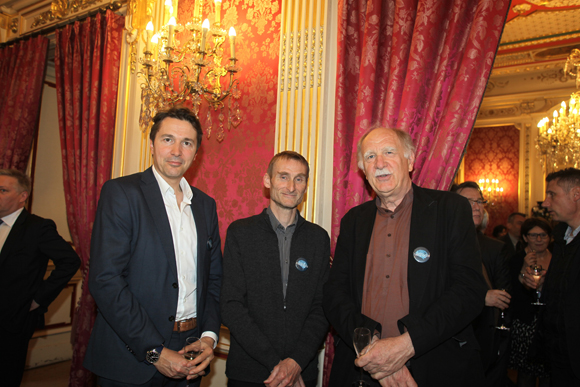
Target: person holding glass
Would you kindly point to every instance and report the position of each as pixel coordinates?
(536, 233)
(407, 266)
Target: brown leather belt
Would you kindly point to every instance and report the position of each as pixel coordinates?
(185, 325)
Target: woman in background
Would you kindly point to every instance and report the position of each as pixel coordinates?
(537, 234)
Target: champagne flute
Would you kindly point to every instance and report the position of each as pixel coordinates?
(537, 274)
(502, 325)
(361, 339)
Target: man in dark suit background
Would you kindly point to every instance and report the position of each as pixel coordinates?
(406, 265)
(561, 289)
(494, 342)
(27, 243)
(155, 266)
(513, 236)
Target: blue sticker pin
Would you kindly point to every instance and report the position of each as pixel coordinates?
(301, 264)
(421, 254)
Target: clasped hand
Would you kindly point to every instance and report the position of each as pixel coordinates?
(285, 374)
(173, 365)
(385, 360)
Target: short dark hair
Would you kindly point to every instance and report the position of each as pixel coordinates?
(513, 215)
(467, 184)
(22, 179)
(498, 230)
(288, 155)
(567, 178)
(180, 113)
(530, 223)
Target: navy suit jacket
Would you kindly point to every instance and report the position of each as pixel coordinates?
(32, 241)
(133, 276)
(445, 293)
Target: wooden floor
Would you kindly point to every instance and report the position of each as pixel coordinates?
(54, 375)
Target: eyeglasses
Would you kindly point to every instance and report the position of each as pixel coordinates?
(541, 235)
(479, 201)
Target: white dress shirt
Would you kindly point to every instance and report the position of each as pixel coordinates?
(6, 225)
(184, 236)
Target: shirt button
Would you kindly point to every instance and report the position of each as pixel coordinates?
(392, 216)
(389, 255)
(387, 276)
(171, 318)
(175, 285)
(388, 234)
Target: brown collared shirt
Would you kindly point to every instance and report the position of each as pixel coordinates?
(385, 291)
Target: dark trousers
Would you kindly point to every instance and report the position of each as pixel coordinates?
(237, 383)
(13, 357)
(176, 343)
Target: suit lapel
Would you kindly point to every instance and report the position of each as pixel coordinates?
(423, 227)
(203, 241)
(14, 236)
(364, 230)
(156, 205)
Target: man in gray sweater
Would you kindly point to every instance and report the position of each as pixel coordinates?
(275, 265)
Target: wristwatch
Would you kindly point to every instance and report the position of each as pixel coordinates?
(153, 356)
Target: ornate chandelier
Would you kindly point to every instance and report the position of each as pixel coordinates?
(558, 142)
(491, 190)
(194, 70)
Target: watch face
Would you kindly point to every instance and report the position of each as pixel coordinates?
(152, 356)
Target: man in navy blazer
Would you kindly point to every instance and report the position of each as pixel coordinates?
(406, 266)
(27, 243)
(156, 266)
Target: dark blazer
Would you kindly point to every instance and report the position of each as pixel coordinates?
(266, 328)
(560, 293)
(133, 275)
(32, 241)
(492, 341)
(509, 245)
(445, 293)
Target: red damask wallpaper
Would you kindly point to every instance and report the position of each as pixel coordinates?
(231, 172)
(494, 153)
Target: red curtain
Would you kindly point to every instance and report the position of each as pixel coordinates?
(87, 60)
(22, 67)
(417, 65)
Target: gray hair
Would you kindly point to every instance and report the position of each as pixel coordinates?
(22, 179)
(404, 138)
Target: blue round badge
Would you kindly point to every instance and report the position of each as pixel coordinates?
(421, 254)
(301, 264)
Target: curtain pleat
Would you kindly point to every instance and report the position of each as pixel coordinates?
(22, 69)
(87, 61)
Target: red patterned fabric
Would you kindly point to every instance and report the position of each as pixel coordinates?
(231, 171)
(22, 67)
(493, 153)
(87, 63)
(418, 65)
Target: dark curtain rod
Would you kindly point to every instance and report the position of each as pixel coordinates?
(114, 6)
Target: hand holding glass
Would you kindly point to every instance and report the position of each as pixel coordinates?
(361, 340)
(502, 323)
(537, 273)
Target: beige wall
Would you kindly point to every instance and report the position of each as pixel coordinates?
(48, 192)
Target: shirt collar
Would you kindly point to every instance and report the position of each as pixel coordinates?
(274, 221)
(571, 234)
(165, 187)
(11, 218)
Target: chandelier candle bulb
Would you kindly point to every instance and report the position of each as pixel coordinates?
(218, 9)
(205, 28)
(171, 25)
(232, 34)
(149, 30)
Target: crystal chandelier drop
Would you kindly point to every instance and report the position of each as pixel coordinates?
(558, 140)
(195, 70)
